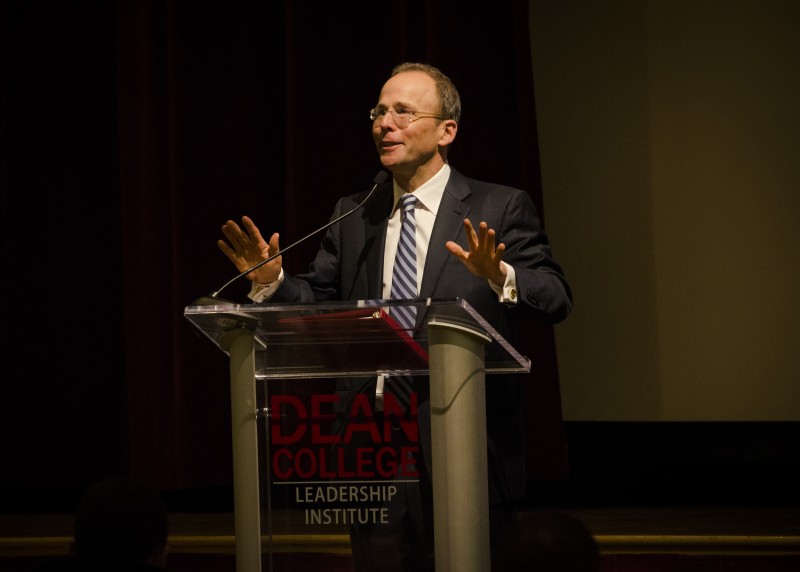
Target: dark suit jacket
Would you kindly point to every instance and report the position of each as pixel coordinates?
(349, 266)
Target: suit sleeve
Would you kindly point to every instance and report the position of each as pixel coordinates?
(321, 282)
(542, 286)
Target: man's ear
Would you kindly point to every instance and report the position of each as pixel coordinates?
(449, 130)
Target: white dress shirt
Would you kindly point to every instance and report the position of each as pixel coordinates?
(429, 196)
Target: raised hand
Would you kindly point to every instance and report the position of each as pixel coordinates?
(246, 248)
(483, 258)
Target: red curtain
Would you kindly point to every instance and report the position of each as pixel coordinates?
(132, 130)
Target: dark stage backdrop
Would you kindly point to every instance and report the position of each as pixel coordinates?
(132, 130)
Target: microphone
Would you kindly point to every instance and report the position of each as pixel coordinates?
(379, 179)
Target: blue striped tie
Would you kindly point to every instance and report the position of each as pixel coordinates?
(404, 287)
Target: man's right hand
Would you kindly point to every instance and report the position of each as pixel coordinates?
(246, 248)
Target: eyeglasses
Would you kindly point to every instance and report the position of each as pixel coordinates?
(401, 118)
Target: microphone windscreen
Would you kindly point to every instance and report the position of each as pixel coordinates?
(380, 178)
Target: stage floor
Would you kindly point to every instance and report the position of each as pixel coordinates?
(702, 530)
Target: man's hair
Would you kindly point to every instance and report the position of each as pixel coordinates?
(121, 518)
(448, 94)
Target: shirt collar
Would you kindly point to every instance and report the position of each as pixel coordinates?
(429, 195)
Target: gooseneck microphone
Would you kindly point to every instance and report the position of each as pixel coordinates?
(379, 179)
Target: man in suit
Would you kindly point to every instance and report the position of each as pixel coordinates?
(501, 264)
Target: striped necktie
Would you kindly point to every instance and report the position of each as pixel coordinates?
(404, 287)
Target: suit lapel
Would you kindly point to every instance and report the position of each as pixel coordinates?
(375, 233)
(453, 209)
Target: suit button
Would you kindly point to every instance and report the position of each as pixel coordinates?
(513, 294)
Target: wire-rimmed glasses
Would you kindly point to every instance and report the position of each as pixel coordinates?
(401, 118)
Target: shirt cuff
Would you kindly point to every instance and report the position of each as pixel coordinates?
(263, 292)
(508, 293)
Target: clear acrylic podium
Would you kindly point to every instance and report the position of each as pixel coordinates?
(454, 346)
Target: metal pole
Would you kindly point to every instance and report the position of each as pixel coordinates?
(458, 439)
(247, 511)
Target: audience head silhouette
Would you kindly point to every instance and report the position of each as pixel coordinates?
(124, 518)
(547, 542)
(121, 524)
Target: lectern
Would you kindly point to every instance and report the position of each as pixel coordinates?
(453, 345)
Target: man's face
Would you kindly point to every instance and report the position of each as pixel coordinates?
(403, 151)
